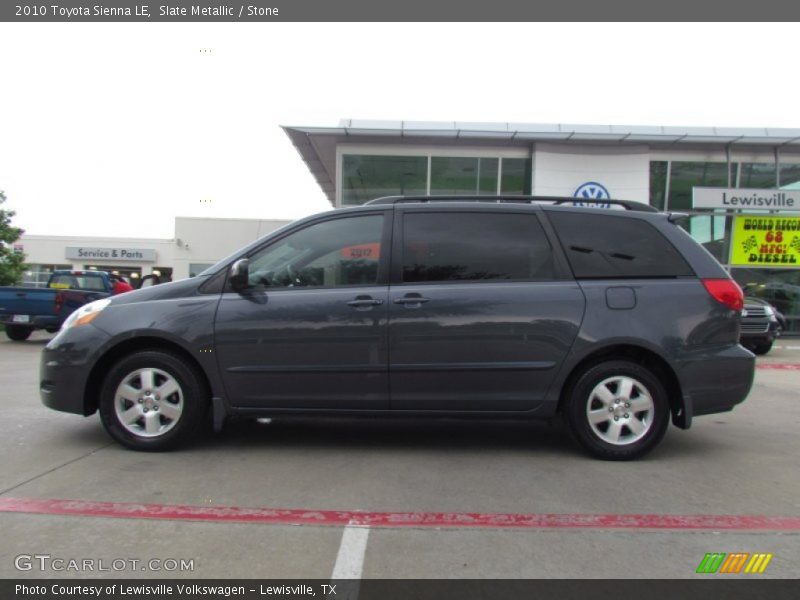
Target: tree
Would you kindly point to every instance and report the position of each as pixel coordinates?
(12, 262)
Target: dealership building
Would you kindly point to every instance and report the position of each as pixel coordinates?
(749, 221)
(197, 244)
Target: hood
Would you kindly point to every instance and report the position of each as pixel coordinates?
(163, 291)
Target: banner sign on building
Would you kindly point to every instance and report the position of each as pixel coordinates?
(744, 198)
(765, 241)
(112, 254)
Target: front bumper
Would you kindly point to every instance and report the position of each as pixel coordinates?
(65, 366)
(715, 381)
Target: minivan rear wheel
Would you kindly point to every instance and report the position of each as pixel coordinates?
(617, 410)
(153, 400)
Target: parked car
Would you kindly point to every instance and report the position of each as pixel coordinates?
(519, 307)
(761, 325)
(25, 309)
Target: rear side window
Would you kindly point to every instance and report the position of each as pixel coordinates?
(607, 247)
(451, 246)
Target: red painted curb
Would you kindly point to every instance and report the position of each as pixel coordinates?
(281, 516)
(781, 366)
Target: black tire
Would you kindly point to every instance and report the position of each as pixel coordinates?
(652, 423)
(761, 348)
(18, 333)
(192, 396)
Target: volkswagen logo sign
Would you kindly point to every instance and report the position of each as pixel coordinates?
(591, 190)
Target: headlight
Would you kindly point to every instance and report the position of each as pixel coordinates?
(86, 313)
(769, 311)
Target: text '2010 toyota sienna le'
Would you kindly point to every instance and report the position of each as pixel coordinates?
(432, 306)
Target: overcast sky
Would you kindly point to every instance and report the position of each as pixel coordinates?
(116, 129)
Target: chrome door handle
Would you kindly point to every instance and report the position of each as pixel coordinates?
(361, 302)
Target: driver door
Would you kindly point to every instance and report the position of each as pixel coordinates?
(310, 330)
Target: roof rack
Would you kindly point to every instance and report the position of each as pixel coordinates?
(555, 200)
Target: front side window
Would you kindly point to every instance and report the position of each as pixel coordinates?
(450, 246)
(340, 252)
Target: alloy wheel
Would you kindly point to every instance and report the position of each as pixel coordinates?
(620, 410)
(148, 402)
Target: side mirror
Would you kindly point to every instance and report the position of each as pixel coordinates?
(240, 274)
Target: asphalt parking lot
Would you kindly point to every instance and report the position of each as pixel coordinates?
(742, 463)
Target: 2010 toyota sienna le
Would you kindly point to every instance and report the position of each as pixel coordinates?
(519, 307)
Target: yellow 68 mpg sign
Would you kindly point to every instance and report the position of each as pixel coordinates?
(766, 241)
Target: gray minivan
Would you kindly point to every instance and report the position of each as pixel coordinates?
(510, 307)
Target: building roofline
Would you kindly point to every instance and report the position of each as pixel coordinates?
(306, 139)
(768, 136)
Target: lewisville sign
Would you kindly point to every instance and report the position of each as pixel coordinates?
(744, 198)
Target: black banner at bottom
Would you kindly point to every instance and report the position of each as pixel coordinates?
(406, 589)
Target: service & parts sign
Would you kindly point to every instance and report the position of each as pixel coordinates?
(766, 242)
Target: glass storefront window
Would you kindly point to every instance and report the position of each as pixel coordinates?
(781, 288)
(37, 275)
(367, 177)
(516, 179)
(658, 183)
(686, 175)
(461, 175)
(757, 175)
(790, 177)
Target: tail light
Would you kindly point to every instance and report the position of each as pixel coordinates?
(59, 301)
(726, 291)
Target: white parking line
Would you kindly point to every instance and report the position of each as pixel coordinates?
(353, 548)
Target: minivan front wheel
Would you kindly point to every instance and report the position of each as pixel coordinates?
(617, 410)
(152, 400)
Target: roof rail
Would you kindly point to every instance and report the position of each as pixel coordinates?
(556, 200)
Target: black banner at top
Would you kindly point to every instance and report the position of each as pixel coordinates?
(144, 11)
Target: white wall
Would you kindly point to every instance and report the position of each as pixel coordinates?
(205, 241)
(558, 170)
(197, 240)
(48, 249)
